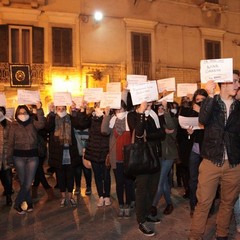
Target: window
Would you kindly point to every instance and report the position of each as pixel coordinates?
(141, 53)
(20, 44)
(62, 46)
(212, 49)
(212, 1)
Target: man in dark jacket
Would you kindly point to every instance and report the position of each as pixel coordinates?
(220, 114)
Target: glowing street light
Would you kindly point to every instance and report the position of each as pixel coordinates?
(98, 16)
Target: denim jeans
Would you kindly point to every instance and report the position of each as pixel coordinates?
(163, 185)
(237, 211)
(194, 163)
(78, 175)
(102, 179)
(124, 185)
(26, 168)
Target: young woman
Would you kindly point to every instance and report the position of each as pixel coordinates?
(23, 151)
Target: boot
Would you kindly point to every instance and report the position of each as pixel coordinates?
(34, 192)
(50, 193)
(8, 200)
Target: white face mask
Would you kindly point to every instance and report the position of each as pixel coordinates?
(23, 118)
(98, 112)
(174, 111)
(121, 115)
(62, 114)
(2, 117)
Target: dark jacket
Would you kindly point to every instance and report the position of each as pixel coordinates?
(185, 141)
(153, 134)
(98, 143)
(218, 133)
(78, 121)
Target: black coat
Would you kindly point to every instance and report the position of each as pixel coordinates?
(98, 143)
(78, 121)
(218, 134)
(184, 140)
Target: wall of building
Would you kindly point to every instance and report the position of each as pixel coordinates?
(178, 29)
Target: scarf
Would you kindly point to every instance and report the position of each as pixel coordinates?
(154, 116)
(63, 130)
(114, 118)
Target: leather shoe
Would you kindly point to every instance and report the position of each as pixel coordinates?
(168, 210)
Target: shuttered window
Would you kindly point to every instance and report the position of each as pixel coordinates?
(21, 44)
(4, 49)
(141, 53)
(62, 46)
(212, 49)
(38, 44)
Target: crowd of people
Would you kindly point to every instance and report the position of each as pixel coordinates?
(206, 159)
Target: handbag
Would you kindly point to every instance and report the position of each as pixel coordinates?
(141, 157)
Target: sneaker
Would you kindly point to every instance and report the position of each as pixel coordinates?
(63, 202)
(107, 201)
(88, 191)
(127, 213)
(30, 207)
(77, 191)
(121, 212)
(73, 202)
(146, 230)
(19, 210)
(100, 202)
(152, 219)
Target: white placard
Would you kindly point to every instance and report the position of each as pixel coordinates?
(114, 87)
(111, 99)
(62, 99)
(2, 99)
(168, 98)
(78, 100)
(135, 79)
(167, 84)
(28, 97)
(183, 89)
(144, 92)
(219, 70)
(10, 113)
(92, 94)
(187, 122)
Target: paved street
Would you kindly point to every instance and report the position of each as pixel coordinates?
(49, 221)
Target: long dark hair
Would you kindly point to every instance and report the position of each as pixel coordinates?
(22, 107)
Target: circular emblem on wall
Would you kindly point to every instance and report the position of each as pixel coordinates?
(20, 76)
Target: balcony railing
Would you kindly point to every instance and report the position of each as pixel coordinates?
(37, 73)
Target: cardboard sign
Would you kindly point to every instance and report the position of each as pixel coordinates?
(62, 99)
(28, 97)
(219, 70)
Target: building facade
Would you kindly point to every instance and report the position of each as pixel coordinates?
(65, 48)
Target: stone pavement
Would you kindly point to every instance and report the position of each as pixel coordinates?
(87, 222)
